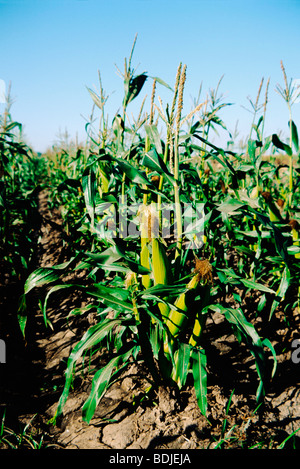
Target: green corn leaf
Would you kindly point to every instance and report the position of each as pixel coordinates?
(137, 176)
(133, 87)
(199, 363)
(44, 275)
(2, 194)
(280, 241)
(12, 125)
(295, 139)
(69, 182)
(237, 318)
(282, 146)
(157, 336)
(213, 119)
(91, 338)
(133, 174)
(114, 297)
(267, 343)
(230, 206)
(108, 256)
(182, 360)
(99, 386)
(282, 289)
(244, 167)
(159, 291)
(154, 137)
(54, 289)
(112, 260)
(101, 382)
(153, 161)
(244, 329)
(97, 100)
(40, 277)
(136, 267)
(267, 143)
(224, 161)
(256, 286)
(89, 186)
(115, 267)
(22, 313)
(256, 128)
(252, 150)
(162, 82)
(22, 320)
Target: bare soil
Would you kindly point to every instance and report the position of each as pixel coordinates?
(127, 417)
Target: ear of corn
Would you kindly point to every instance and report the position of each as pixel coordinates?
(161, 270)
(160, 263)
(177, 319)
(158, 260)
(254, 193)
(274, 213)
(145, 262)
(145, 233)
(145, 215)
(145, 255)
(200, 284)
(295, 234)
(104, 178)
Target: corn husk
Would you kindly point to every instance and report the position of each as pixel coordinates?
(274, 212)
(161, 270)
(145, 223)
(153, 254)
(295, 229)
(145, 262)
(177, 319)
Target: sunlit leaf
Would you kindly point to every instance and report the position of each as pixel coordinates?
(100, 383)
(199, 363)
(91, 338)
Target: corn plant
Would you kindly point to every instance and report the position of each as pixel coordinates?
(158, 288)
(289, 93)
(21, 176)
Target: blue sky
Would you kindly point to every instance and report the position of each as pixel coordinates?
(52, 49)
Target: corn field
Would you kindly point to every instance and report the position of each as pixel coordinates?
(164, 232)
